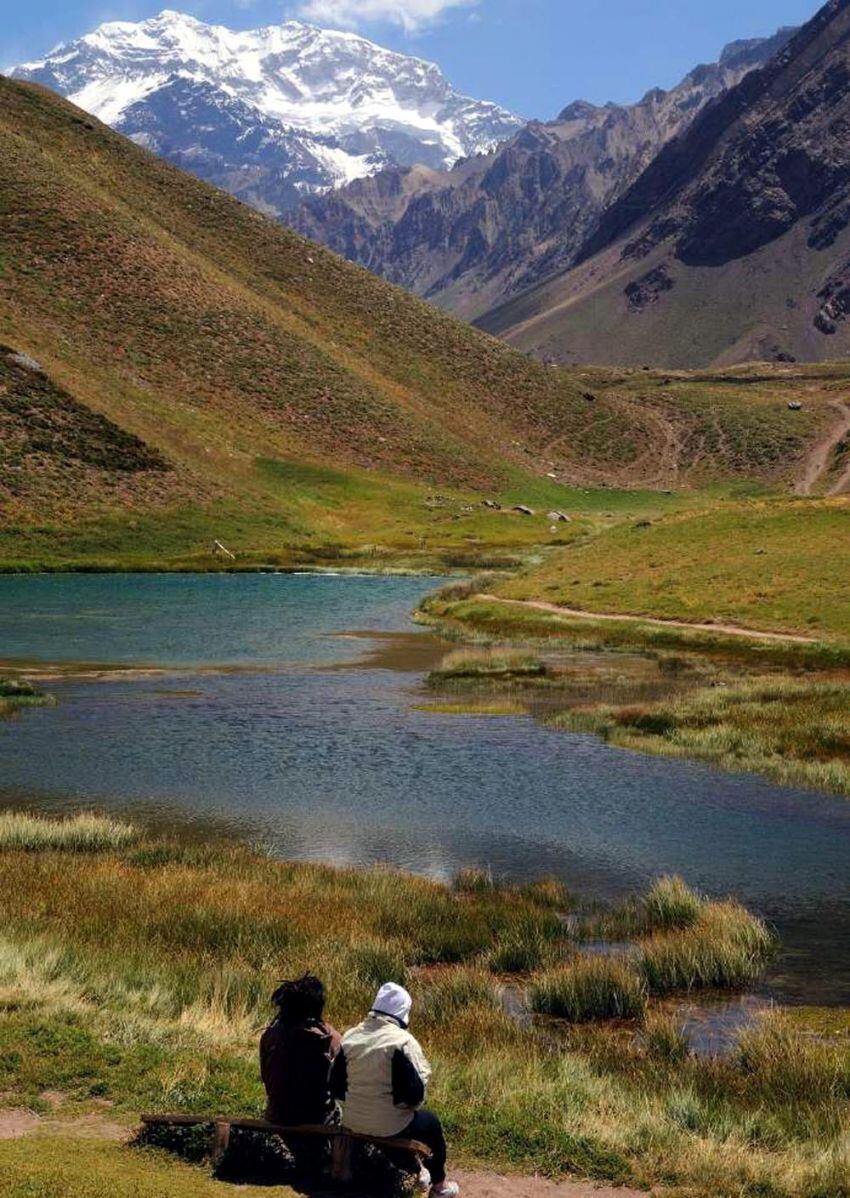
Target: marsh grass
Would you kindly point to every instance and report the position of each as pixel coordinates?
(665, 1039)
(727, 948)
(590, 988)
(519, 953)
(83, 833)
(17, 693)
(140, 976)
(787, 1065)
(671, 904)
(495, 663)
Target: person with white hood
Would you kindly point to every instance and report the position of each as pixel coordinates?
(381, 1078)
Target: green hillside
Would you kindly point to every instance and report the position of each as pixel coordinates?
(193, 372)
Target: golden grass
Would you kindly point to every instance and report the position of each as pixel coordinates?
(140, 976)
(590, 988)
(83, 833)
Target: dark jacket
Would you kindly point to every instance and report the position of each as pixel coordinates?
(295, 1063)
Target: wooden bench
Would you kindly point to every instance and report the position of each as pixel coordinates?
(341, 1140)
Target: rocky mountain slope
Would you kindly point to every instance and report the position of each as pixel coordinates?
(734, 244)
(470, 237)
(269, 114)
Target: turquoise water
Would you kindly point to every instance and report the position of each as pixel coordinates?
(336, 764)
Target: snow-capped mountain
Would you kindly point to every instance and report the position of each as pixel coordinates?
(269, 114)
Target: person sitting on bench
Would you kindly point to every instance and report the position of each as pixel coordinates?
(381, 1077)
(296, 1054)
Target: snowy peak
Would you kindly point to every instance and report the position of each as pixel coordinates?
(352, 106)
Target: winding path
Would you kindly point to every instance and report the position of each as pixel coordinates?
(750, 634)
(821, 457)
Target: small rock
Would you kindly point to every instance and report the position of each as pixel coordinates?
(559, 518)
(523, 510)
(28, 363)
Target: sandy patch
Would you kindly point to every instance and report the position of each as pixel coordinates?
(490, 1185)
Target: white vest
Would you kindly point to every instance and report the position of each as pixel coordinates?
(369, 1049)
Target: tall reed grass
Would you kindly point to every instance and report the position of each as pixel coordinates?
(83, 833)
(590, 988)
(727, 948)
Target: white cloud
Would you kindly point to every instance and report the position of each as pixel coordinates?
(411, 15)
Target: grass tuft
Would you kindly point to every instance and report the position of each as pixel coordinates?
(83, 833)
(727, 948)
(671, 904)
(590, 988)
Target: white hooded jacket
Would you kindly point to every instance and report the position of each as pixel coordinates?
(381, 1076)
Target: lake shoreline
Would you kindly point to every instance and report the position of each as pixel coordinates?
(727, 713)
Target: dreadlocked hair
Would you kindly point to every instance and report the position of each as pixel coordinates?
(300, 1000)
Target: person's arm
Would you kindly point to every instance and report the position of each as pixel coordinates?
(339, 1077)
(410, 1076)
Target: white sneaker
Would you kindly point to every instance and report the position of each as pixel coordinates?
(423, 1181)
(449, 1189)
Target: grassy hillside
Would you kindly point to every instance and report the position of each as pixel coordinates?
(781, 569)
(235, 350)
(683, 585)
(200, 372)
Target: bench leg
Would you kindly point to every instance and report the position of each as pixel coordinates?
(221, 1141)
(342, 1148)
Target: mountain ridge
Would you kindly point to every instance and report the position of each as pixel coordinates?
(733, 244)
(493, 226)
(319, 107)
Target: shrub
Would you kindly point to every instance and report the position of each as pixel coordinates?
(590, 988)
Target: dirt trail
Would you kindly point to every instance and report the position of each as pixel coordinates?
(749, 634)
(821, 457)
(489, 1185)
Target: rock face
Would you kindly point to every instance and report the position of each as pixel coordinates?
(470, 237)
(734, 244)
(270, 114)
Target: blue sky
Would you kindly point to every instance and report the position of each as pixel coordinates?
(534, 56)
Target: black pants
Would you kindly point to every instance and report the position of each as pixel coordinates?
(426, 1127)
